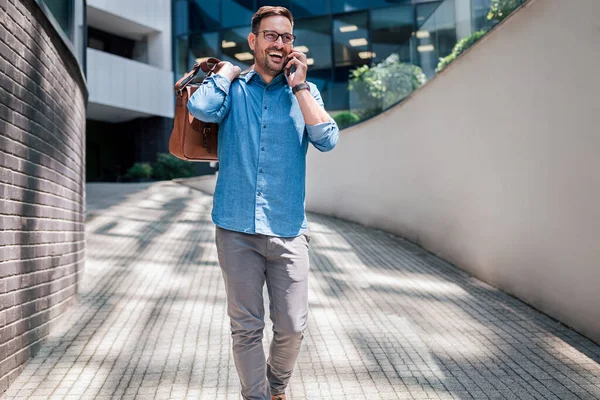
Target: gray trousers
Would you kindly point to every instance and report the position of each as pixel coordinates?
(247, 261)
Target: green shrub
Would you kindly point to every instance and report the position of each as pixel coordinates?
(139, 171)
(500, 9)
(459, 48)
(378, 87)
(167, 167)
(345, 119)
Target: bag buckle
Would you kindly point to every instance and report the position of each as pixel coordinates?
(205, 133)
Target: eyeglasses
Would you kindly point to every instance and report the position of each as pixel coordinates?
(272, 36)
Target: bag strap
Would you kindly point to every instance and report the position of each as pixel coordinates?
(207, 66)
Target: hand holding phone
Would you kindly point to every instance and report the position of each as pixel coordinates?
(296, 68)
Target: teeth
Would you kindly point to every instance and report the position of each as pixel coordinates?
(276, 54)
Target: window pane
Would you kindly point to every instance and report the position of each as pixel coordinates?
(282, 3)
(308, 8)
(437, 37)
(479, 11)
(235, 48)
(322, 80)
(61, 11)
(314, 39)
(202, 46)
(204, 14)
(181, 21)
(391, 32)
(181, 57)
(339, 96)
(351, 39)
(237, 12)
(424, 11)
(339, 6)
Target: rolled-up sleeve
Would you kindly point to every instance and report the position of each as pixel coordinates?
(323, 136)
(210, 102)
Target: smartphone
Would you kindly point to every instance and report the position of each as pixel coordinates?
(290, 70)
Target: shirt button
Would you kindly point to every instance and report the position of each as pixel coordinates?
(260, 170)
(264, 126)
(265, 107)
(262, 149)
(259, 194)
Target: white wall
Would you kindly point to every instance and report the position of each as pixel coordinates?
(150, 19)
(150, 13)
(129, 85)
(494, 165)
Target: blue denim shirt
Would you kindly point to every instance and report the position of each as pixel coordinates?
(263, 141)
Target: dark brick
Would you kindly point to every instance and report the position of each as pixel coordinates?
(42, 137)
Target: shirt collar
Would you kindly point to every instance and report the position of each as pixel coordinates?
(275, 82)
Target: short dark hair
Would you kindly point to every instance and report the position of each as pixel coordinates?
(269, 11)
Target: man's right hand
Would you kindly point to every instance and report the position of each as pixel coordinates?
(228, 70)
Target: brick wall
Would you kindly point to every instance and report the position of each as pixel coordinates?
(42, 170)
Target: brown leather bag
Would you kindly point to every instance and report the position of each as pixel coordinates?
(192, 139)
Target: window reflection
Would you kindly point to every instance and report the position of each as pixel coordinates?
(181, 56)
(203, 46)
(435, 36)
(237, 12)
(338, 98)
(235, 48)
(351, 39)
(339, 6)
(62, 11)
(204, 14)
(182, 19)
(282, 3)
(391, 32)
(314, 38)
(309, 8)
(479, 11)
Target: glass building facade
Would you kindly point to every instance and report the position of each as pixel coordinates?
(339, 37)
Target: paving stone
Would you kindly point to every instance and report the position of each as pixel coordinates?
(388, 320)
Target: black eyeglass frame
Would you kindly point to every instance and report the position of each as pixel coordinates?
(279, 35)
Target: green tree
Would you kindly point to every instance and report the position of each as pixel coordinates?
(378, 87)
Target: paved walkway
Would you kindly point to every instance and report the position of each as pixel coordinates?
(388, 320)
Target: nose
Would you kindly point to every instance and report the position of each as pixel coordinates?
(279, 42)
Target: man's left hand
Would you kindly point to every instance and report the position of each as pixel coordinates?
(298, 59)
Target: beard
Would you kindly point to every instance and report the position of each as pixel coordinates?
(264, 61)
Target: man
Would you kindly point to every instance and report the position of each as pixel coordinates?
(266, 119)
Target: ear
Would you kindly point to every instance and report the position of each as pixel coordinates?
(251, 40)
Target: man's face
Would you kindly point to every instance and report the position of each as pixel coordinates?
(271, 57)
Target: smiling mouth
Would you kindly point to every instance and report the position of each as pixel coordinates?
(276, 56)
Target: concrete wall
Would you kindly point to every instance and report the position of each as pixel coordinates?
(130, 85)
(493, 165)
(42, 170)
(154, 14)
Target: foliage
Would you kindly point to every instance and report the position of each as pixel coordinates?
(139, 171)
(345, 119)
(500, 9)
(380, 86)
(167, 167)
(459, 48)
